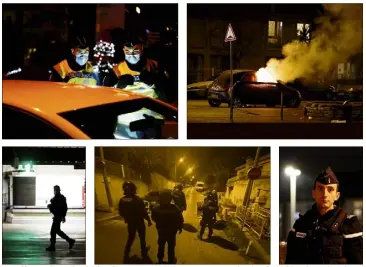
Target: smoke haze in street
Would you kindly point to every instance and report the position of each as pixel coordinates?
(338, 36)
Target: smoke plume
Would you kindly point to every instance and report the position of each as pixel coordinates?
(337, 37)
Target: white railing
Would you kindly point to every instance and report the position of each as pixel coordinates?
(258, 220)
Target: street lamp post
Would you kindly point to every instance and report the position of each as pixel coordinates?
(292, 173)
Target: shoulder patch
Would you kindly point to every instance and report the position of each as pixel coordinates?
(300, 235)
(126, 199)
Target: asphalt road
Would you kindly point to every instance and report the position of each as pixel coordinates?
(199, 111)
(24, 242)
(111, 236)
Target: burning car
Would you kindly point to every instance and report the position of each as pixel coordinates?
(253, 87)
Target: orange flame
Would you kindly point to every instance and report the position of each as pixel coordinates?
(263, 75)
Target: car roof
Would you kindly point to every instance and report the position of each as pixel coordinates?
(52, 97)
(238, 71)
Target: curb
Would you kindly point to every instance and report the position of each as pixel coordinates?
(108, 218)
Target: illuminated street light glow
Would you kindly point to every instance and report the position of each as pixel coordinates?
(292, 173)
(27, 167)
(138, 10)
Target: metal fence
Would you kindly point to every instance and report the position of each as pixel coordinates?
(258, 220)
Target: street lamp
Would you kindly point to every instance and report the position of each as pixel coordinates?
(138, 10)
(292, 173)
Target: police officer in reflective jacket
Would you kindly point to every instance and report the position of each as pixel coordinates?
(58, 207)
(132, 209)
(137, 72)
(169, 221)
(76, 68)
(326, 234)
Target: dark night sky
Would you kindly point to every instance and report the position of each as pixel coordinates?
(202, 157)
(43, 154)
(346, 163)
(249, 11)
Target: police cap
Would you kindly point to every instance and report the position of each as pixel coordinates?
(327, 177)
(134, 37)
(79, 42)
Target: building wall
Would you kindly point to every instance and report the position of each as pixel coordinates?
(158, 182)
(109, 16)
(70, 180)
(208, 54)
(260, 193)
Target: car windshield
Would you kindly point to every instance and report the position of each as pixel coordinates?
(223, 79)
(115, 121)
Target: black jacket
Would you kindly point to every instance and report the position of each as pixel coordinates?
(58, 206)
(312, 241)
(179, 199)
(168, 218)
(132, 209)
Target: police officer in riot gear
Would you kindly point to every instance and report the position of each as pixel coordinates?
(326, 234)
(132, 209)
(209, 210)
(136, 70)
(169, 221)
(58, 207)
(76, 68)
(215, 197)
(179, 197)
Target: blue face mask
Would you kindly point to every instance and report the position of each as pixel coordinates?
(81, 59)
(132, 59)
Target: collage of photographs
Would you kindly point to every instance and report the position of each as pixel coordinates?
(270, 133)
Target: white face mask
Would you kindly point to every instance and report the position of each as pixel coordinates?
(81, 59)
(132, 59)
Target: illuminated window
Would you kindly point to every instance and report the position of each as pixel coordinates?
(303, 28)
(275, 32)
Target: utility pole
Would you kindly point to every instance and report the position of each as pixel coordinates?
(106, 182)
(249, 188)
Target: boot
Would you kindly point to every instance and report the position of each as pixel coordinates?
(71, 243)
(51, 248)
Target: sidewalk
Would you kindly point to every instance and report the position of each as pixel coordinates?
(250, 246)
(102, 216)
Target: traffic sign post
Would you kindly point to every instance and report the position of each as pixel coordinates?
(230, 37)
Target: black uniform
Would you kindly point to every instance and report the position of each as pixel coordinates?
(209, 210)
(334, 238)
(169, 221)
(132, 209)
(58, 208)
(179, 199)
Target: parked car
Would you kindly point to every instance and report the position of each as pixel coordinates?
(200, 89)
(219, 91)
(152, 198)
(49, 110)
(247, 91)
(255, 93)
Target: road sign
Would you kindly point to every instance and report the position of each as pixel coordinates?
(254, 173)
(230, 35)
